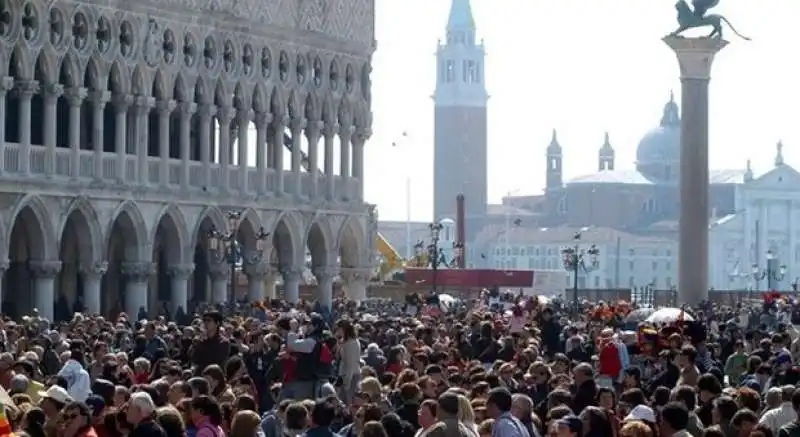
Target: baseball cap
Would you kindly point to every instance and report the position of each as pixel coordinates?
(573, 423)
(643, 413)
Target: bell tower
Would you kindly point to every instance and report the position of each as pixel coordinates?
(460, 144)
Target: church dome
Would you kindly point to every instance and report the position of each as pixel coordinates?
(661, 145)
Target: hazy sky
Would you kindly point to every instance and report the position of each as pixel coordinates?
(583, 67)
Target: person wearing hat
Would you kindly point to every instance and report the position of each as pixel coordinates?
(28, 369)
(53, 400)
(313, 360)
(214, 349)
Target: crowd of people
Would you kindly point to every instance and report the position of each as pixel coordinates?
(387, 370)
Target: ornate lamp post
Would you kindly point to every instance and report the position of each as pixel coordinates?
(773, 273)
(578, 260)
(225, 247)
(432, 254)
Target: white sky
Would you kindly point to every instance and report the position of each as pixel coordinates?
(583, 67)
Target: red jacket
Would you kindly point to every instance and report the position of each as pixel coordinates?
(610, 364)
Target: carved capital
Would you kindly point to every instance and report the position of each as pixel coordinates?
(362, 134)
(27, 88)
(142, 105)
(346, 132)
(207, 110)
(165, 107)
(325, 273)
(6, 84)
(45, 269)
(225, 114)
(76, 95)
(96, 269)
(330, 130)
(121, 102)
(99, 98)
(138, 271)
(243, 116)
(52, 91)
(187, 108)
(257, 270)
(356, 275)
(292, 274)
(3, 266)
(695, 55)
(280, 121)
(314, 129)
(263, 119)
(219, 271)
(181, 271)
(297, 125)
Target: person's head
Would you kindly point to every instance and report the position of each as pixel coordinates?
(245, 423)
(521, 407)
(323, 413)
(345, 330)
(744, 421)
(708, 387)
(140, 408)
(687, 357)
(485, 428)
(498, 402)
(773, 398)
(448, 406)
(635, 428)
(373, 429)
(204, 408)
(426, 414)
(761, 430)
(199, 386)
(582, 373)
(569, 426)
(686, 395)
(54, 399)
(74, 418)
(606, 398)
(215, 377)
(722, 410)
(674, 418)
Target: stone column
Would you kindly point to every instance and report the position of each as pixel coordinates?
(329, 131)
(695, 56)
(359, 139)
(262, 120)
(206, 112)
(121, 104)
(313, 132)
(75, 96)
(179, 275)
(298, 124)
(141, 135)
(92, 278)
(269, 283)
(187, 110)
(220, 274)
(99, 100)
(354, 282)
(3, 269)
(224, 117)
(325, 277)
(291, 284)
(51, 94)
(278, 127)
(44, 273)
(136, 287)
(256, 272)
(345, 138)
(244, 116)
(6, 84)
(165, 108)
(26, 91)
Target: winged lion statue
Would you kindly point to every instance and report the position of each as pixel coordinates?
(691, 17)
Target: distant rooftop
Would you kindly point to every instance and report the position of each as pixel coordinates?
(634, 177)
(495, 234)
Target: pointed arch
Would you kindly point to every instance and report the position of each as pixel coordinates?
(87, 222)
(140, 81)
(129, 217)
(328, 109)
(93, 75)
(222, 97)
(118, 78)
(160, 88)
(44, 69)
(249, 225)
(171, 221)
(349, 242)
(285, 241)
(345, 113)
(318, 240)
(19, 63)
(294, 104)
(37, 223)
(259, 98)
(312, 109)
(215, 216)
(276, 104)
(69, 71)
(202, 91)
(241, 98)
(180, 89)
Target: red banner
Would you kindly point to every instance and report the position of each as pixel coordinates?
(470, 278)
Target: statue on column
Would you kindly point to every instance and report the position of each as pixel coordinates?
(691, 17)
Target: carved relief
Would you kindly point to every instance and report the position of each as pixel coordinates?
(333, 76)
(169, 46)
(283, 66)
(247, 59)
(57, 26)
(209, 52)
(6, 17)
(126, 39)
(228, 56)
(349, 78)
(80, 31)
(103, 34)
(31, 25)
(266, 63)
(300, 67)
(153, 43)
(189, 50)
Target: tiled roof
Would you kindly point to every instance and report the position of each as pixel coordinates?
(629, 177)
(562, 234)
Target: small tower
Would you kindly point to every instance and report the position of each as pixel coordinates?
(779, 154)
(555, 177)
(606, 155)
(748, 173)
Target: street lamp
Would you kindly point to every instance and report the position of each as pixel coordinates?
(225, 246)
(578, 260)
(773, 273)
(432, 254)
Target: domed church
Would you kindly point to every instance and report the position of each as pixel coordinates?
(641, 199)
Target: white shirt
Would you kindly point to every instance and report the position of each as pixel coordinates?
(778, 417)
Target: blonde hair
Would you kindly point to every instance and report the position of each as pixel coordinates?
(372, 387)
(465, 412)
(635, 428)
(245, 423)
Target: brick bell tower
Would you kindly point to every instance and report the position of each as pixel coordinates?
(460, 149)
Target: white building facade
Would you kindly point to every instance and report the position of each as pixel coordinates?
(129, 133)
(624, 260)
(766, 224)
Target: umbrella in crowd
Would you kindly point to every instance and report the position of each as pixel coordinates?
(640, 315)
(669, 315)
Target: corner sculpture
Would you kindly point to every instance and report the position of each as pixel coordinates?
(697, 16)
